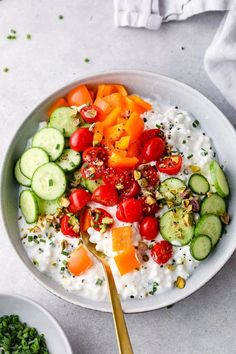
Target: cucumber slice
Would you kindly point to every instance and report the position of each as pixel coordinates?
(213, 204)
(171, 188)
(62, 119)
(199, 184)
(21, 179)
(31, 160)
(29, 206)
(91, 185)
(219, 179)
(177, 226)
(48, 207)
(49, 181)
(209, 225)
(200, 247)
(69, 160)
(51, 140)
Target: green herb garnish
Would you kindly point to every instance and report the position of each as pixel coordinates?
(196, 123)
(189, 156)
(99, 281)
(61, 17)
(28, 36)
(154, 288)
(50, 182)
(86, 60)
(65, 253)
(58, 146)
(5, 70)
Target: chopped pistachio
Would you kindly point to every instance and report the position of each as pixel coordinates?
(143, 182)
(150, 200)
(195, 168)
(137, 175)
(225, 218)
(180, 282)
(76, 122)
(171, 267)
(64, 244)
(119, 186)
(64, 202)
(107, 220)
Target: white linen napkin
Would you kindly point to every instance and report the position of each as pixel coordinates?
(220, 58)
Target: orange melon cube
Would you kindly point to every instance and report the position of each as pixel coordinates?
(79, 261)
(122, 238)
(127, 261)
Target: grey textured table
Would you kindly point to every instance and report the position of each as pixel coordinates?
(203, 323)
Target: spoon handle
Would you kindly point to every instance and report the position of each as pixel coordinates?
(122, 334)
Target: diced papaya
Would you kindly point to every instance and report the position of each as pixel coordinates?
(98, 133)
(114, 132)
(85, 220)
(103, 105)
(117, 160)
(123, 143)
(115, 100)
(79, 261)
(78, 96)
(121, 238)
(132, 106)
(127, 261)
(60, 102)
(111, 118)
(145, 105)
(134, 127)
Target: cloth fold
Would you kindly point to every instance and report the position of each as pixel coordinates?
(220, 58)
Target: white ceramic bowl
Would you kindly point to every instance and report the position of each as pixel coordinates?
(155, 87)
(36, 316)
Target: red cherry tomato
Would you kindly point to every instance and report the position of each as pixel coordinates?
(95, 154)
(162, 252)
(78, 199)
(130, 210)
(91, 113)
(170, 165)
(149, 228)
(153, 149)
(66, 228)
(92, 170)
(81, 139)
(132, 191)
(100, 218)
(118, 176)
(149, 209)
(151, 175)
(106, 195)
(150, 134)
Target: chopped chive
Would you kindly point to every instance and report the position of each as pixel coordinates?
(154, 288)
(58, 146)
(41, 250)
(86, 60)
(64, 262)
(30, 238)
(158, 126)
(28, 36)
(50, 182)
(11, 37)
(189, 156)
(63, 268)
(72, 164)
(61, 17)
(5, 70)
(99, 281)
(35, 262)
(13, 31)
(43, 241)
(52, 244)
(65, 253)
(196, 123)
(204, 152)
(184, 142)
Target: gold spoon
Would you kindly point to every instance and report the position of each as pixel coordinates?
(122, 334)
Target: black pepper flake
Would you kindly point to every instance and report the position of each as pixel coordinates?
(132, 296)
(145, 120)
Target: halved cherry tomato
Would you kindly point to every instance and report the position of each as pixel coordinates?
(149, 228)
(153, 149)
(150, 134)
(92, 170)
(101, 220)
(151, 175)
(95, 154)
(66, 228)
(130, 210)
(162, 252)
(91, 113)
(170, 165)
(149, 209)
(78, 199)
(106, 195)
(118, 177)
(81, 139)
(132, 191)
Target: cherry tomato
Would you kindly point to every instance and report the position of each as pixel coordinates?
(149, 228)
(130, 210)
(170, 165)
(92, 170)
(149, 209)
(153, 149)
(91, 113)
(132, 191)
(81, 139)
(101, 220)
(151, 175)
(78, 199)
(150, 134)
(118, 176)
(95, 154)
(106, 195)
(66, 228)
(162, 252)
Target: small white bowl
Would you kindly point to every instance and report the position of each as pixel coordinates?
(36, 316)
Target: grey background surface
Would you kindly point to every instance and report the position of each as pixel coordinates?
(203, 323)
